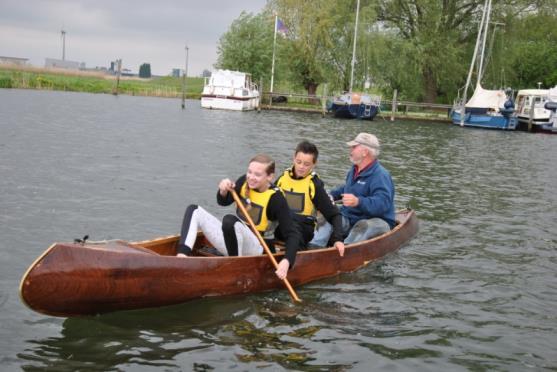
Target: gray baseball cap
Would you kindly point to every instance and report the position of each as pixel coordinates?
(365, 139)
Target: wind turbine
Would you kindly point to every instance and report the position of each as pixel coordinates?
(63, 35)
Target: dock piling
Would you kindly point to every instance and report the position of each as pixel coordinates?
(393, 106)
(531, 117)
(324, 101)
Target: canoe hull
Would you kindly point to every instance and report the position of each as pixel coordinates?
(76, 280)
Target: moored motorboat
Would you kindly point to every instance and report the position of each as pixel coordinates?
(230, 90)
(350, 104)
(531, 112)
(75, 279)
(355, 106)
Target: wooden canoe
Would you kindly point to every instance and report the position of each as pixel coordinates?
(71, 279)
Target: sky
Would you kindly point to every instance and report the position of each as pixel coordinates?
(100, 31)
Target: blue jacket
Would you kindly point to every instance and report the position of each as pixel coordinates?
(375, 190)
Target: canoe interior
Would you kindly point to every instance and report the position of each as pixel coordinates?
(167, 246)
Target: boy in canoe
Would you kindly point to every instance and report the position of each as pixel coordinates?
(306, 195)
(266, 206)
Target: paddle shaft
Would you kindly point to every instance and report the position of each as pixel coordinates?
(263, 243)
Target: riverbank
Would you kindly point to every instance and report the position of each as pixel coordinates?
(383, 115)
(96, 82)
(27, 77)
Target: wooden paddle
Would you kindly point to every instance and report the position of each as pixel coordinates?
(293, 294)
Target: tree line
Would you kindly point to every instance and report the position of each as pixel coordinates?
(421, 48)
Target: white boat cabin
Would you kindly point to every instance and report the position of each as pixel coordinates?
(530, 105)
(230, 90)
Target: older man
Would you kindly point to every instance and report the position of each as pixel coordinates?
(367, 196)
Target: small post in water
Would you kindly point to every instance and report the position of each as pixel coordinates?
(119, 66)
(324, 101)
(184, 75)
(531, 118)
(393, 107)
(260, 95)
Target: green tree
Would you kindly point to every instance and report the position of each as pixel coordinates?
(533, 57)
(340, 37)
(247, 46)
(393, 66)
(442, 36)
(297, 53)
(422, 48)
(319, 45)
(437, 33)
(145, 71)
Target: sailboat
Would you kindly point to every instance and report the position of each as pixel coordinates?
(487, 108)
(352, 105)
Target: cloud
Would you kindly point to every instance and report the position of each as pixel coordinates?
(98, 32)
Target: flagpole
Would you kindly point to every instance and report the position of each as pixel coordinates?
(273, 63)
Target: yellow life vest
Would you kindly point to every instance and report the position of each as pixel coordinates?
(298, 192)
(256, 206)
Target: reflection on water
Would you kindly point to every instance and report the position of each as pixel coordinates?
(475, 289)
(141, 338)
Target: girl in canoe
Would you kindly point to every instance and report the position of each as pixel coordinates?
(232, 237)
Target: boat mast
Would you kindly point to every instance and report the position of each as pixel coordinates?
(354, 47)
(486, 25)
(472, 64)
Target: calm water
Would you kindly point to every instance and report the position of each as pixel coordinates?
(475, 290)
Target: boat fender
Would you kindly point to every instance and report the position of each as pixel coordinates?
(82, 240)
(551, 106)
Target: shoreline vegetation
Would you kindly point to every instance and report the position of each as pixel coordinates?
(29, 77)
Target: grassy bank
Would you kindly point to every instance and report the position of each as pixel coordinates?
(96, 82)
(166, 86)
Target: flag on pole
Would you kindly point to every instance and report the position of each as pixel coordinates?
(281, 28)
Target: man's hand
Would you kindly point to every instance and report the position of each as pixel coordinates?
(282, 269)
(350, 200)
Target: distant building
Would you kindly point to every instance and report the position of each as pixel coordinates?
(127, 72)
(176, 72)
(114, 69)
(13, 60)
(58, 63)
